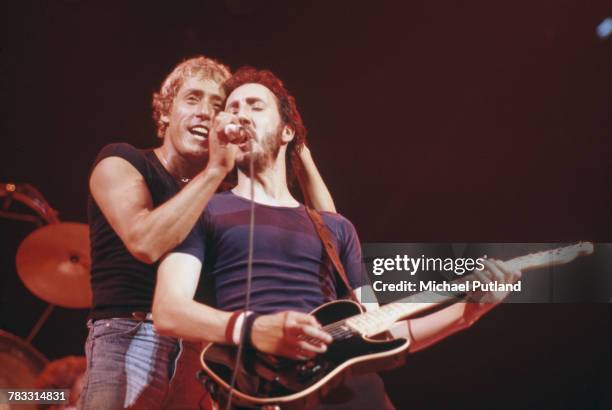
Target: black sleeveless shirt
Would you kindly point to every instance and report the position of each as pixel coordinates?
(122, 284)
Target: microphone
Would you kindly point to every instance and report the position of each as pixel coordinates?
(236, 133)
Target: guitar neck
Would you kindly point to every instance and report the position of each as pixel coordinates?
(380, 320)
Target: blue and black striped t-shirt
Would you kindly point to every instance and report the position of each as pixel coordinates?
(287, 255)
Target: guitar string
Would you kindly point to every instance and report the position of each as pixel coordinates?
(340, 329)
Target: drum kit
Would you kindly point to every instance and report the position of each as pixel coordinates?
(53, 262)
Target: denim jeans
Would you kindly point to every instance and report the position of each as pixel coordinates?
(129, 365)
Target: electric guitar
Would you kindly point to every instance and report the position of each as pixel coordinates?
(265, 380)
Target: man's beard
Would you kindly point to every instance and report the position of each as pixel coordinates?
(262, 159)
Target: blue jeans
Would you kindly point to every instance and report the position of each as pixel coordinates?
(129, 365)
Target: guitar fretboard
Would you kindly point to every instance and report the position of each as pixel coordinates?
(382, 319)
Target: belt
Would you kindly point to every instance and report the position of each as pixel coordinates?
(144, 316)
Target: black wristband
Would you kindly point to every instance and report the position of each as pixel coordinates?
(248, 330)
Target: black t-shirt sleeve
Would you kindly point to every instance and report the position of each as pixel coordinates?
(194, 242)
(126, 151)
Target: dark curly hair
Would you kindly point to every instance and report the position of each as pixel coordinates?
(287, 109)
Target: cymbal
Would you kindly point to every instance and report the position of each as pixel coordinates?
(53, 262)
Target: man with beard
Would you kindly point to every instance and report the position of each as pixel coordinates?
(287, 254)
(142, 204)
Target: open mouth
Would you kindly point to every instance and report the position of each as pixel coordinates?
(200, 132)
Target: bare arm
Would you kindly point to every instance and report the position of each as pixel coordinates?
(176, 314)
(428, 330)
(123, 197)
(313, 187)
(432, 328)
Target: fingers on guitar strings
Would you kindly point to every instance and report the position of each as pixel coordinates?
(311, 347)
(316, 333)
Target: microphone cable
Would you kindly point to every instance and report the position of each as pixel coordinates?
(247, 301)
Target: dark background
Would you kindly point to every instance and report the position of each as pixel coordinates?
(480, 121)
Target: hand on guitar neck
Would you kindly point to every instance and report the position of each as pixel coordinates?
(266, 382)
(436, 326)
(510, 272)
(299, 336)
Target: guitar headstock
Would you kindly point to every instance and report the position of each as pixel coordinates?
(569, 253)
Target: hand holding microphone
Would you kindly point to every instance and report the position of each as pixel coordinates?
(227, 139)
(235, 133)
(228, 128)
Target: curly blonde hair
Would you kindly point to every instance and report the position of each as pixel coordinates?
(200, 66)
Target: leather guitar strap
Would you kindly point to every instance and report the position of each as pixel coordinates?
(330, 249)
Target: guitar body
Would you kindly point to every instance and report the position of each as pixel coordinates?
(267, 380)
(263, 380)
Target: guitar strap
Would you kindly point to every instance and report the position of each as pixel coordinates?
(330, 249)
